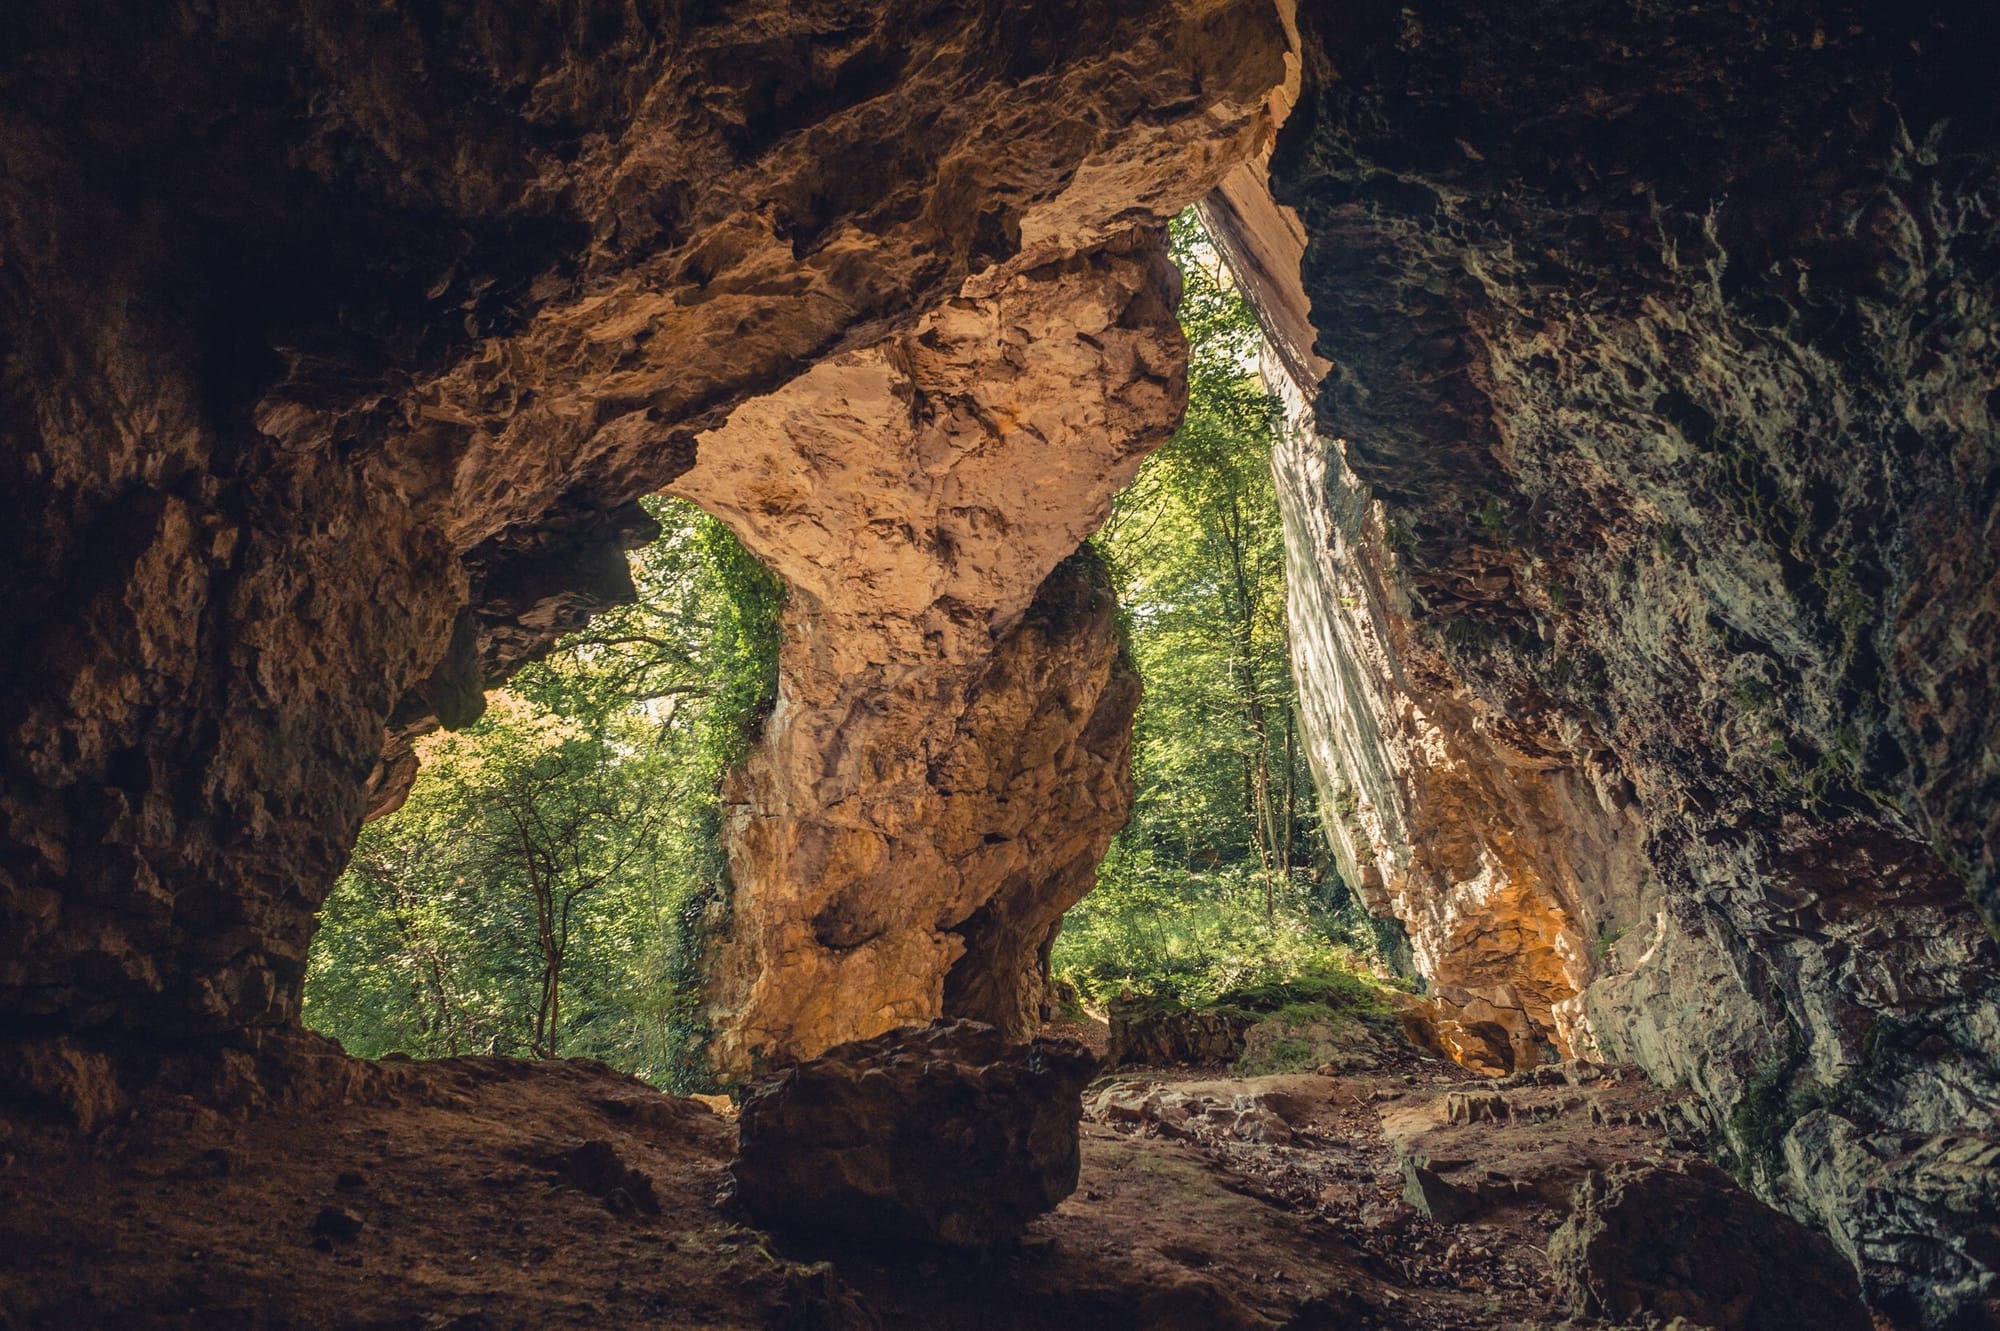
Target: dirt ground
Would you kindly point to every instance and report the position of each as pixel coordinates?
(487, 1193)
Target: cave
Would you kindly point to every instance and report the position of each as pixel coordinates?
(1640, 473)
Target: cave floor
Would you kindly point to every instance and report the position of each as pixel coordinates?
(487, 1193)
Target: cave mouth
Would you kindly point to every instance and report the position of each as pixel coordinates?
(1638, 523)
(553, 880)
(544, 887)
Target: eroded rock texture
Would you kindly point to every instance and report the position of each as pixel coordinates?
(1646, 566)
(948, 758)
(338, 344)
(1683, 1241)
(945, 1134)
(950, 752)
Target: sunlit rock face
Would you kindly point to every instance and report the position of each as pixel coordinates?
(1646, 566)
(945, 765)
(1445, 812)
(949, 756)
(339, 343)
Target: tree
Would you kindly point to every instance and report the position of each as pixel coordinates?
(546, 887)
(1221, 875)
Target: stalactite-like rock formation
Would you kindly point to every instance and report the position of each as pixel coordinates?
(946, 764)
(338, 344)
(1645, 570)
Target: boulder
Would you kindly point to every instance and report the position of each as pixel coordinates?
(1683, 1240)
(945, 1134)
(1265, 1114)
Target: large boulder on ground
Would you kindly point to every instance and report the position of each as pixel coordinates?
(945, 1134)
(1683, 1240)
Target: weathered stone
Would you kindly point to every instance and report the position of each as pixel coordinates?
(1526, 1140)
(408, 308)
(1145, 1035)
(1435, 1197)
(1266, 1113)
(944, 1134)
(1684, 1240)
(941, 721)
(1639, 504)
(1489, 1031)
(1475, 1107)
(1331, 1043)
(1254, 1123)
(994, 773)
(1931, 1205)
(1642, 571)
(595, 1167)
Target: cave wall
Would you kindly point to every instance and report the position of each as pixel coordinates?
(949, 754)
(1642, 520)
(1641, 509)
(339, 342)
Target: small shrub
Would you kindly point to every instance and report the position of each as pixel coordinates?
(1286, 1055)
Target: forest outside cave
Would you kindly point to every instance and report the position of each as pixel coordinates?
(552, 881)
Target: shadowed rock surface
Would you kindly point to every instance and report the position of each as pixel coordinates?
(1682, 1240)
(505, 1193)
(1640, 495)
(943, 1134)
(1142, 1035)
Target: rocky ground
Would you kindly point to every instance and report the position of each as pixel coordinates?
(487, 1193)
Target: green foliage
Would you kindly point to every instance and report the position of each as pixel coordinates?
(1468, 634)
(549, 885)
(552, 883)
(1223, 877)
(1337, 985)
(1188, 937)
(1776, 1097)
(1765, 1112)
(1285, 1054)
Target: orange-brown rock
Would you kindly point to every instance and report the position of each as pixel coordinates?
(924, 856)
(405, 307)
(945, 766)
(947, 761)
(1444, 811)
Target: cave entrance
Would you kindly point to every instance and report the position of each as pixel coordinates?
(546, 886)
(1223, 890)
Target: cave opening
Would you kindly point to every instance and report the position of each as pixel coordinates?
(1635, 465)
(1222, 882)
(546, 886)
(552, 880)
